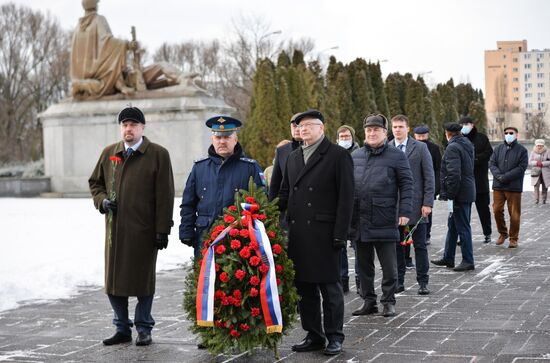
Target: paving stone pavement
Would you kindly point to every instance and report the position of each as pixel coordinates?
(498, 313)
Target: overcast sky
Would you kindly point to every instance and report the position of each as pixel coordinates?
(442, 38)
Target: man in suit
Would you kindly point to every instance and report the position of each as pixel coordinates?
(422, 133)
(421, 165)
(317, 193)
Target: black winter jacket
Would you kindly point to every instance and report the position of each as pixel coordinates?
(483, 152)
(508, 164)
(457, 171)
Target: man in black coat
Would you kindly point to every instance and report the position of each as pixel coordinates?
(383, 201)
(422, 133)
(483, 152)
(459, 189)
(317, 193)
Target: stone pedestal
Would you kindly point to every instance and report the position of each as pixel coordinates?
(75, 133)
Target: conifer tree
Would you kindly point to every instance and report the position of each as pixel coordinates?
(284, 109)
(395, 87)
(465, 94)
(315, 86)
(379, 89)
(363, 103)
(414, 103)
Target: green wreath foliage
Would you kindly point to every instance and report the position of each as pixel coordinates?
(238, 319)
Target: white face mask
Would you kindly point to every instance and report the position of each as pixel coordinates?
(466, 130)
(346, 144)
(509, 138)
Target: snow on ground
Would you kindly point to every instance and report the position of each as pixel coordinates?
(52, 248)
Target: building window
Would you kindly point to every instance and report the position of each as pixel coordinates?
(527, 76)
(516, 79)
(540, 65)
(515, 89)
(504, 56)
(515, 69)
(516, 99)
(515, 60)
(541, 95)
(527, 66)
(527, 56)
(527, 116)
(527, 86)
(541, 106)
(528, 95)
(540, 85)
(528, 105)
(540, 75)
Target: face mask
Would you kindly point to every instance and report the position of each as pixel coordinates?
(466, 130)
(509, 138)
(346, 144)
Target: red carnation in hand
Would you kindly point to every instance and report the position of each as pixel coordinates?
(240, 274)
(244, 233)
(235, 333)
(234, 232)
(253, 292)
(235, 244)
(224, 277)
(255, 311)
(254, 280)
(244, 327)
(253, 245)
(220, 249)
(245, 252)
(271, 234)
(232, 208)
(279, 268)
(115, 159)
(264, 268)
(228, 218)
(255, 260)
(277, 249)
(250, 200)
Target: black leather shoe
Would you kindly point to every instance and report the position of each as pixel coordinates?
(389, 310)
(442, 262)
(399, 289)
(144, 339)
(487, 239)
(366, 309)
(118, 338)
(464, 267)
(423, 289)
(333, 348)
(308, 345)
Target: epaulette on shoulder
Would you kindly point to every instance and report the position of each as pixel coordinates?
(252, 161)
(201, 159)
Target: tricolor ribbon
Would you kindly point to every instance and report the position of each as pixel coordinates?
(269, 294)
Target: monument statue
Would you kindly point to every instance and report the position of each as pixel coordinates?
(99, 67)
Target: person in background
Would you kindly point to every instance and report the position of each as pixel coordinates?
(508, 164)
(345, 137)
(540, 170)
(268, 172)
(483, 152)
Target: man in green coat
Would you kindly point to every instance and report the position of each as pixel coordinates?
(132, 184)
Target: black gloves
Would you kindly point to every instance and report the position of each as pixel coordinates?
(161, 241)
(107, 206)
(338, 243)
(189, 242)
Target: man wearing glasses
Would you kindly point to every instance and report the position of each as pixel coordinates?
(508, 164)
(317, 193)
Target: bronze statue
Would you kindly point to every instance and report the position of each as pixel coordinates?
(98, 63)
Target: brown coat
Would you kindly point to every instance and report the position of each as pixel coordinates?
(144, 187)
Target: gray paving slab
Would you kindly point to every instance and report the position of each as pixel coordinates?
(498, 313)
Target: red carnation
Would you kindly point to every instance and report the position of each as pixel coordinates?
(240, 274)
(245, 252)
(279, 268)
(255, 311)
(219, 294)
(220, 249)
(280, 298)
(218, 324)
(225, 300)
(224, 277)
(234, 232)
(244, 233)
(261, 217)
(254, 280)
(232, 208)
(271, 234)
(277, 249)
(253, 245)
(207, 243)
(250, 200)
(219, 228)
(236, 303)
(217, 267)
(264, 268)
(237, 294)
(235, 333)
(253, 292)
(278, 281)
(228, 218)
(255, 260)
(115, 159)
(244, 327)
(235, 244)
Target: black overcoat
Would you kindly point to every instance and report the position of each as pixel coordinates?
(483, 152)
(318, 198)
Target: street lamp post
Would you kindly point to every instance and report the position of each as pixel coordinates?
(259, 42)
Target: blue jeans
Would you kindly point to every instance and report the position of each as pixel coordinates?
(459, 225)
(143, 319)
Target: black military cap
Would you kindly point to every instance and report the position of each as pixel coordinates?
(452, 127)
(376, 120)
(466, 120)
(131, 114)
(423, 129)
(309, 114)
(223, 125)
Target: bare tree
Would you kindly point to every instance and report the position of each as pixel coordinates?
(536, 124)
(502, 107)
(34, 58)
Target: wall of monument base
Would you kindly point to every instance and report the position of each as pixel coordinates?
(75, 133)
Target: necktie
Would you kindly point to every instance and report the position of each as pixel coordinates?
(401, 147)
(129, 152)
